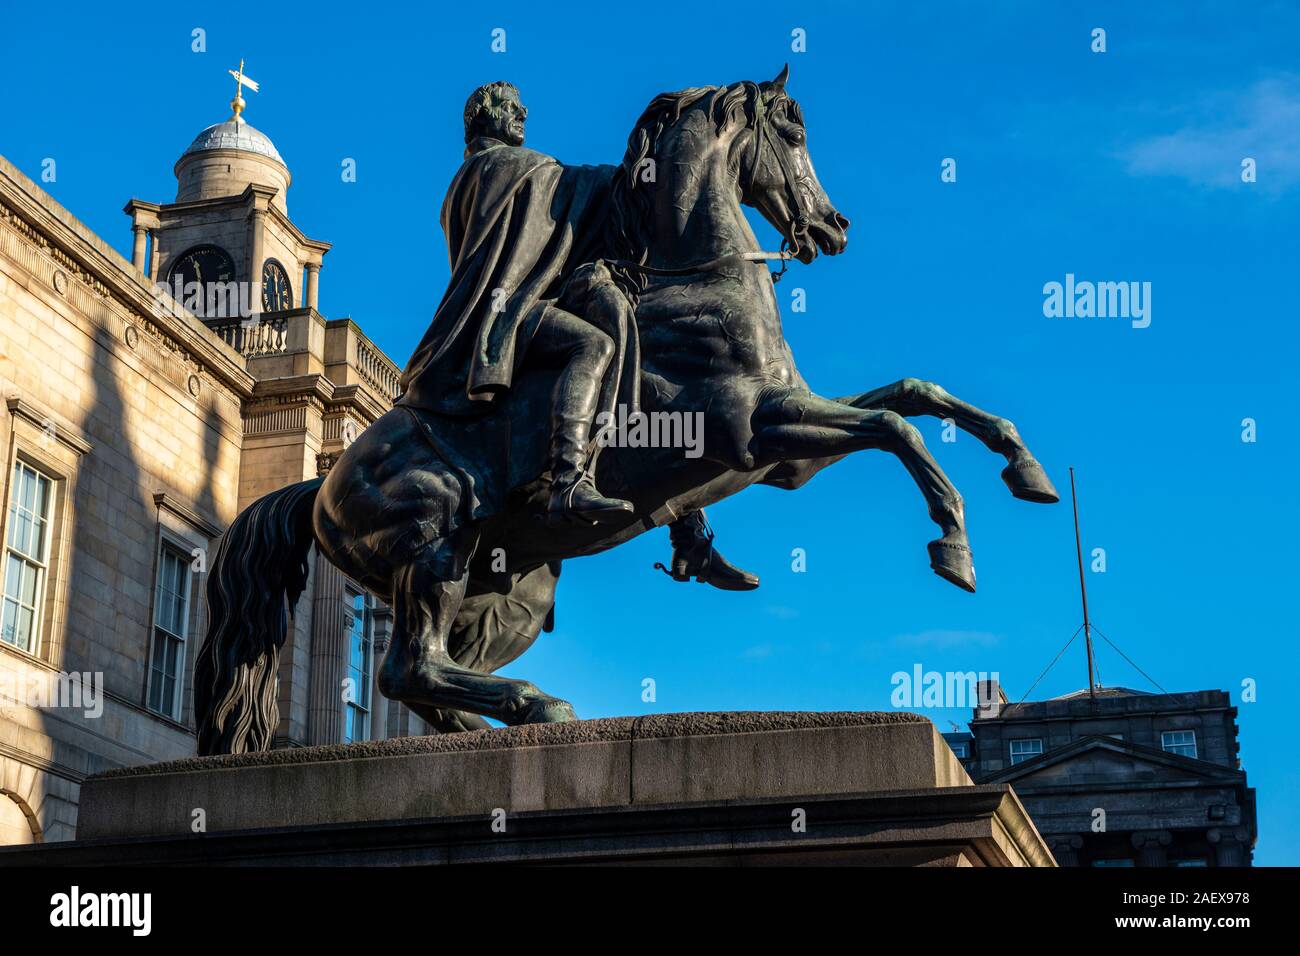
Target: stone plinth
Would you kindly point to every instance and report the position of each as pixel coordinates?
(874, 788)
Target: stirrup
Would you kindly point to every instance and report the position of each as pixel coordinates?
(659, 566)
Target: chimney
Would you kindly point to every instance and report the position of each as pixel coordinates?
(990, 699)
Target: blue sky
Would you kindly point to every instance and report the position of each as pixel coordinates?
(1116, 166)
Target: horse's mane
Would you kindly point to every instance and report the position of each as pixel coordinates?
(630, 213)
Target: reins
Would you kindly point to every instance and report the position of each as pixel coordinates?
(711, 265)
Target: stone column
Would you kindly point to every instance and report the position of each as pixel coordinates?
(257, 233)
(381, 632)
(1065, 847)
(1229, 845)
(328, 654)
(313, 282)
(153, 255)
(1152, 847)
(294, 692)
(137, 249)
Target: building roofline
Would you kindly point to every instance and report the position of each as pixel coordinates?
(1076, 708)
(119, 279)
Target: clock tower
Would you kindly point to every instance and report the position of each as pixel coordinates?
(228, 233)
(228, 252)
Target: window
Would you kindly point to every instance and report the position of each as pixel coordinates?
(960, 750)
(356, 720)
(1022, 750)
(27, 549)
(1112, 863)
(1191, 861)
(171, 628)
(1181, 742)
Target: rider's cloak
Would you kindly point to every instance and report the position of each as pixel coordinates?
(517, 224)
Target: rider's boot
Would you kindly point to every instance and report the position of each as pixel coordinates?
(573, 489)
(695, 557)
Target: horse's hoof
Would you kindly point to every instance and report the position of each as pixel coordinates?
(954, 563)
(1028, 482)
(549, 710)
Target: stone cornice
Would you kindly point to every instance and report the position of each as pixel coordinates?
(41, 763)
(248, 198)
(143, 214)
(191, 517)
(318, 392)
(316, 389)
(59, 234)
(64, 432)
(361, 398)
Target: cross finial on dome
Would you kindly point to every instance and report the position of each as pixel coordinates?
(238, 104)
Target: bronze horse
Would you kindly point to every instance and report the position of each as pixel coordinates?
(471, 592)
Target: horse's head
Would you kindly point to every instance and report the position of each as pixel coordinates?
(777, 177)
(747, 138)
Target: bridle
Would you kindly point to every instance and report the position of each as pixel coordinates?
(791, 183)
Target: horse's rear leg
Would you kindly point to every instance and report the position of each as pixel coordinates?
(419, 671)
(492, 629)
(912, 396)
(800, 425)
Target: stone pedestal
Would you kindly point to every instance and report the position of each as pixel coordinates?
(784, 788)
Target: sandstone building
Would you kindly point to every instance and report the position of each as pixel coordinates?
(135, 426)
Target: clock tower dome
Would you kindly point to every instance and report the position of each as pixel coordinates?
(229, 224)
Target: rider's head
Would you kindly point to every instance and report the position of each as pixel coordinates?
(494, 110)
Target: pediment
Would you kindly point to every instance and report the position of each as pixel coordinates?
(1103, 760)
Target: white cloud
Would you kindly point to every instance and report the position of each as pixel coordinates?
(942, 639)
(1262, 123)
(781, 611)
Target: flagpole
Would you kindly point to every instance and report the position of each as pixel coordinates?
(1083, 590)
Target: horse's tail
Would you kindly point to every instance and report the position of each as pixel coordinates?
(262, 562)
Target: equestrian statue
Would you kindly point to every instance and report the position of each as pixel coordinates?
(575, 292)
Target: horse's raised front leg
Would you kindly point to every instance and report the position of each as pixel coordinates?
(791, 425)
(912, 396)
(419, 671)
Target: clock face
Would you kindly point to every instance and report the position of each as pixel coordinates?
(276, 294)
(207, 266)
